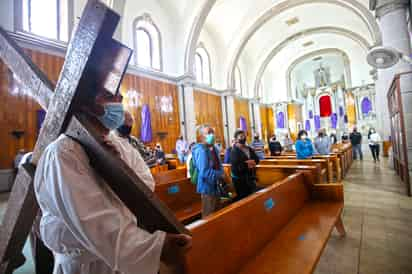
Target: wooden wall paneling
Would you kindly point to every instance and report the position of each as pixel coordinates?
(19, 111)
(264, 123)
(162, 99)
(242, 109)
(208, 110)
(271, 121)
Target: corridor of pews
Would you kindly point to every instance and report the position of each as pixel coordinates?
(285, 227)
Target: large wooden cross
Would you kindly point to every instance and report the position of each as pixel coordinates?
(93, 60)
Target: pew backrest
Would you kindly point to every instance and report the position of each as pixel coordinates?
(223, 242)
(170, 175)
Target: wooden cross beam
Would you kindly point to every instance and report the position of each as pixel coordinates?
(93, 60)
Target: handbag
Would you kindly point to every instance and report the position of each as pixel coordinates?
(222, 189)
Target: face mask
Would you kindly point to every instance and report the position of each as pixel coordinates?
(242, 141)
(125, 130)
(304, 137)
(210, 139)
(113, 116)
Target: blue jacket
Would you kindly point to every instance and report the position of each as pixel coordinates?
(207, 176)
(227, 155)
(304, 149)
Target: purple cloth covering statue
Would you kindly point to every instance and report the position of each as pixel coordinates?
(310, 114)
(366, 105)
(341, 111)
(307, 125)
(146, 130)
(317, 122)
(243, 124)
(280, 120)
(334, 120)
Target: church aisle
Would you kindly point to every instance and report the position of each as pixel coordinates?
(378, 218)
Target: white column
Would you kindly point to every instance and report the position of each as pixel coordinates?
(392, 21)
(187, 112)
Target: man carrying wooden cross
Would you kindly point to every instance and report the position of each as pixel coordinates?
(86, 226)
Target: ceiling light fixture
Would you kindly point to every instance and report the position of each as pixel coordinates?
(385, 57)
(292, 21)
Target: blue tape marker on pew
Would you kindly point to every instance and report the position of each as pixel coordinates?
(173, 189)
(301, 238)
(269, 204)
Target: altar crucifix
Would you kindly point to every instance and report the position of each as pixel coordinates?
(93, 60)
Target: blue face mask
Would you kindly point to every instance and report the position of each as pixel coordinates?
(210, 139)
(113, 116)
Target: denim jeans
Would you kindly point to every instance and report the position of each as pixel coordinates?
(357, 149)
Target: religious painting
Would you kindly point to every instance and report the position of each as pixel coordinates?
(164, 104)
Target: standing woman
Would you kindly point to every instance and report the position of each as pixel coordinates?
(374, 140)
(244, 160)
(304, 146)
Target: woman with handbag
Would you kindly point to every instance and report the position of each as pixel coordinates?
(244, 161)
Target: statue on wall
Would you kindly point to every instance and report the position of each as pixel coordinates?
(322, 76)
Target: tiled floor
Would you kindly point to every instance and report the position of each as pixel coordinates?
(378, 221)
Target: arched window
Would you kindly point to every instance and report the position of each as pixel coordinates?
(238, 81)
(202, 66)
(147, 43)
(47, 18)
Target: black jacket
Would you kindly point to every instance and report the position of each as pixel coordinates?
(355, 138)
(275, 147)
(238, 158)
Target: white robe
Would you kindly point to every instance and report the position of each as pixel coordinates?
(86, 226)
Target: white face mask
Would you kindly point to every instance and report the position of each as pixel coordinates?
(304, 137)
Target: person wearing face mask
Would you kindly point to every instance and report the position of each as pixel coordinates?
(85, 225)
(322, 143)
(374, 143)
(304, 146)
(205, 158)
(244, 161)
(124, 131)
(258, 146)
(160, 155)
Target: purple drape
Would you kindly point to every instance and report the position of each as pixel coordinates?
(146, 130)
(366, 105)
(341, 111)
(334, 120)
(310, 114)
(317, 122)
(243, 123)
(280, 120)
(307, 125)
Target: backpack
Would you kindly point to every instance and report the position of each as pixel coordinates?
(194, 173)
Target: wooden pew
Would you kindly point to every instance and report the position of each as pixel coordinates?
(322, 163)
(280, 229)
(268, 174)
(181, 197)
(333, 164)
(158, 168)
(345, 152)
(170, 175)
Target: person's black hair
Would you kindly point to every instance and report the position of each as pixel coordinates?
(302, 132)
(238, 132)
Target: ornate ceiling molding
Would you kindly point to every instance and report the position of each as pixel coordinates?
(352, 5)
(331, 30)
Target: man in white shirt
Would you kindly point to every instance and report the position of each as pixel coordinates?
(87, 227)
(181, 149)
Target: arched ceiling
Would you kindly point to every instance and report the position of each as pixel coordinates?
(249, 29)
